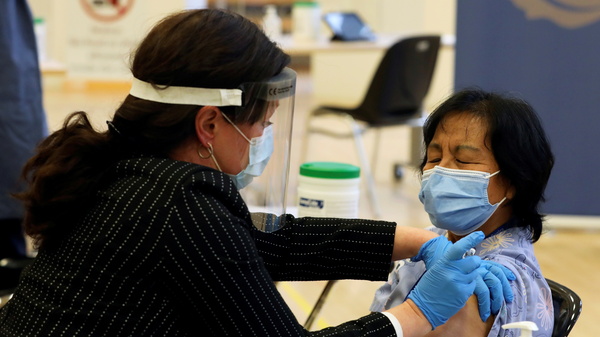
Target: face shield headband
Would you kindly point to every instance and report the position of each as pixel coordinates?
(266, 196)
(276, 88)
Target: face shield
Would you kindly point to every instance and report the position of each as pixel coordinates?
(265, 105)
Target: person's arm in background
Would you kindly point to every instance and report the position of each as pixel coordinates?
(22, 117)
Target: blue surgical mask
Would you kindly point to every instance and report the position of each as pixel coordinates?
(261, 149)
(457, 200)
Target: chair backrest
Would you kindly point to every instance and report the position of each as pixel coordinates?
(5, 295)
(567, 308)
(401, 81)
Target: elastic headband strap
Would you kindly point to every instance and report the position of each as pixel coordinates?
(186, 95)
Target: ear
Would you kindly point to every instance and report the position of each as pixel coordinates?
(205, 122)
(510, 193)
(510, 188)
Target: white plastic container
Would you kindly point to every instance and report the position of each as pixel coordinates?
(39, 26)
(196, 4)
(272, 23)
(328, 189)
(306, 21)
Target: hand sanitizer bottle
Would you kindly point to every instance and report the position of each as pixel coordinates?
(272, 23)
(525, 326)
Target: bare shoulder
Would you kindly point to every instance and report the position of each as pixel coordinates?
(466, 323)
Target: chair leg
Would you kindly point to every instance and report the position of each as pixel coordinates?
(375, 154)
(318, 305)
(360, 148)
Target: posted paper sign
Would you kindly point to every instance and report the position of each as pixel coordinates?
(101, 36)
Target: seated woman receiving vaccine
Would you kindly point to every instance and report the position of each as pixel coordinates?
(486, 166)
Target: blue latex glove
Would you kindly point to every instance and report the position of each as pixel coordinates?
(432, 250)
(492, 287)
(447, 285)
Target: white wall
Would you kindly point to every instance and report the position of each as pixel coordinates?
(384, 16)
(56, 15)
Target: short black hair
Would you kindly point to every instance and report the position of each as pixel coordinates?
(518, 142)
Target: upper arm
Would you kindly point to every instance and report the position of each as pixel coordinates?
(466, 323)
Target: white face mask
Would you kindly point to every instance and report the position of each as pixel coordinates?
(261, 149)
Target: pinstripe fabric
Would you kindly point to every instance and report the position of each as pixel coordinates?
(170, 250)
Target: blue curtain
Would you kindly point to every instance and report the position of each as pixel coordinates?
(548, 53)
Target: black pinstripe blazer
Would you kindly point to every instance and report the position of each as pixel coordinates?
(169, 249)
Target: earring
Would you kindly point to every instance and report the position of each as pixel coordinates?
(210, 155)
(210, 152)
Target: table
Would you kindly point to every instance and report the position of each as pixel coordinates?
(341, 71)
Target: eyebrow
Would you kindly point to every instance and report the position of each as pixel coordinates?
(437, 146)
(434, 146)
(467, 147)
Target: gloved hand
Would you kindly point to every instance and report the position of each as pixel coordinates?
(432, 250)
(492, 287)
(447, 285)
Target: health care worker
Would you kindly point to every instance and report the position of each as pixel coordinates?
(142, 231)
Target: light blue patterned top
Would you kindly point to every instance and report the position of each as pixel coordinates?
(511, 248)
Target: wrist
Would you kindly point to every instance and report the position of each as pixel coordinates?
(408, 241)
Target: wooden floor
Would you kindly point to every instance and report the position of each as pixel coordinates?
(570, 257)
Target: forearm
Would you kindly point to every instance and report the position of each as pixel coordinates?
(321, 249)
(408, 241)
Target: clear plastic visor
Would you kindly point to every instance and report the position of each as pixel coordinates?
(266, 195)
(269, 102)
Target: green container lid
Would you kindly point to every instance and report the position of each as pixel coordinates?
(329, 170)
(306, 4)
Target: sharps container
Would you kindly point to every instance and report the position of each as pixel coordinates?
(328, 189)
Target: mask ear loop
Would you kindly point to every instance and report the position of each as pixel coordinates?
(235, 126)
(210, 155)
(493, 174)
(504, 199)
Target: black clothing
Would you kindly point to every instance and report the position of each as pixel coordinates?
(169, 249)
